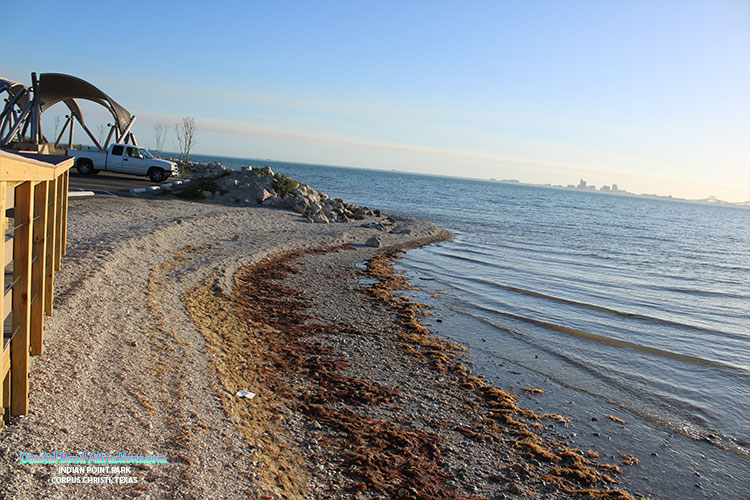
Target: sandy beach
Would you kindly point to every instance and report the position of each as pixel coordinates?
(166, 309)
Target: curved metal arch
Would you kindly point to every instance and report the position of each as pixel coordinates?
(14, 89)
(56, 87)
(15, 110)
(24, 106)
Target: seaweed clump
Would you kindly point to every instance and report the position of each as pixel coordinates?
(294, 371)
(568, 468)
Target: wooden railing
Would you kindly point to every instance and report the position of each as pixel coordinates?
(33, 215)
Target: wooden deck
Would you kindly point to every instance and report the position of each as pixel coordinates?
(33, 215)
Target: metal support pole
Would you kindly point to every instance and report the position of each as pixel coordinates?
(125, 132)
(59, 137)
(91, 136)
(19, 121)
(70, 140)
(109, 136)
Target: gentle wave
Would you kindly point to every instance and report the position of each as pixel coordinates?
(652, 320)
(601, 339)
(593, 307)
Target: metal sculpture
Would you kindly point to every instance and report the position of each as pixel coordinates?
(23, 108)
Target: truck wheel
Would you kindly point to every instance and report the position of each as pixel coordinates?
(84, 166)
(156, 174)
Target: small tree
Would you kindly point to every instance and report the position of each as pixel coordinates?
(102, 131)
(185, 133)
(160, 134)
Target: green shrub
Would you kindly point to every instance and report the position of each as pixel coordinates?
(194, 190)
(284, 185)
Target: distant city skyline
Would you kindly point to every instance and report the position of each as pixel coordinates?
(649, 95)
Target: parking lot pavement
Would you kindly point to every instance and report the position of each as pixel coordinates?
(108, 183)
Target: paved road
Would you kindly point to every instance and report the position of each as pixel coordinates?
(107, 183)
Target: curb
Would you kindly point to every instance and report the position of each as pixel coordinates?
(160, 187)
(80, 194)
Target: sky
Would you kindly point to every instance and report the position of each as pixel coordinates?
(653, 96)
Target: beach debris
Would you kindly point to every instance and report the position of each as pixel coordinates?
(532, 390)
(373, 241)
(615, 419)
(244, 393)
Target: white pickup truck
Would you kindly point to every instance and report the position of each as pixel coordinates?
(123, 158)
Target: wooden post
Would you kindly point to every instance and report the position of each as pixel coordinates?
(64, 227)
(19, 346)
(59, 222)
(38, 257)
(6, 398)
(3, 206)
(49, 262)
(4, 362)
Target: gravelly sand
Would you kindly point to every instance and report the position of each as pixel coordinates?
(126, 370)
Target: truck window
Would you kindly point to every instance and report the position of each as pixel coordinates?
(117, 150)
(133, 153)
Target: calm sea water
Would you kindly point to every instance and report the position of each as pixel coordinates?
(642, 302)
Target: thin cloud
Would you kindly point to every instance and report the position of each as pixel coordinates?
(243, 129)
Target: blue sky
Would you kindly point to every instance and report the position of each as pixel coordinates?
(653, 96)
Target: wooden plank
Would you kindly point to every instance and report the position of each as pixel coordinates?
(3, 196)
(59, 222)
(4, 364)
(8, 303)
(20, 169)
(19, 346)
(8, 245)
(38, 257)
(49, 262)
(6, 396)
(64, 228)
(4, 375)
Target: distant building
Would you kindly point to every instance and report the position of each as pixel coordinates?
(615, 188)
(604, 189)
(582, 184)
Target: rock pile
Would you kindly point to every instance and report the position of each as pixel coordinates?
(319, 207)
(262, 186)
(201, 169)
